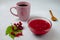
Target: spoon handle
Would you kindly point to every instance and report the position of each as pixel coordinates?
(51, 13)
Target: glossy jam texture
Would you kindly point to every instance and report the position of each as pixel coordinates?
(39, 26)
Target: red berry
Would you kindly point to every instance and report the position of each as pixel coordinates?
(12, 27)
(19, 34)
(15, 24)
(20, 23)
(20, 28)
(12, 33)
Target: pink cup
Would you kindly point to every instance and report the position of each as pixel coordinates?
(23, 10)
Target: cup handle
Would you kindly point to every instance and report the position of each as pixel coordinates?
(12, 12)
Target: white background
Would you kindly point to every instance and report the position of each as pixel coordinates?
(38, 8)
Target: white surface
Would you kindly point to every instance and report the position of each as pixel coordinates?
(38, 8)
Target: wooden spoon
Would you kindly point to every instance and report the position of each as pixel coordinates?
(52, 17)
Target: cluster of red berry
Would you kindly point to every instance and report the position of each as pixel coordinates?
(17, 28)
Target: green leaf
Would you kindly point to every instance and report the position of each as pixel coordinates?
(12, 36)
(19, 30)
(15, 28)
(9, 30)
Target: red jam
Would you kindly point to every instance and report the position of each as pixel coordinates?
(39, 26)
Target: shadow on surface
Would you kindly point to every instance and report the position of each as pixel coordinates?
(49, 36)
